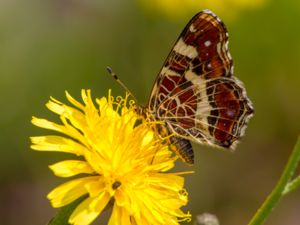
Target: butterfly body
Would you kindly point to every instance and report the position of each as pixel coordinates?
(195, 96)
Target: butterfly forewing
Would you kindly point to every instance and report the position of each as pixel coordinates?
(195, 93)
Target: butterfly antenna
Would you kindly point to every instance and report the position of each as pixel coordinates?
(111, 72)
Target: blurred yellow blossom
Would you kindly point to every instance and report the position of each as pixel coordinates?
(121, 162)
(178, 9)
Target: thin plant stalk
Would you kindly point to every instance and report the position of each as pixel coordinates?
(280, 189)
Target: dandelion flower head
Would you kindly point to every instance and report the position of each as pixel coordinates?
(120, 161)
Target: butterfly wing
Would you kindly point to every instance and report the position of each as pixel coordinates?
(195, 93)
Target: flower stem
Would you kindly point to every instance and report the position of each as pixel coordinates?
(280, 189)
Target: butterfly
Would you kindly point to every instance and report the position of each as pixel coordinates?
(195, 97)
(195, 94)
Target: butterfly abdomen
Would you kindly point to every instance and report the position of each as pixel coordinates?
(183, 149)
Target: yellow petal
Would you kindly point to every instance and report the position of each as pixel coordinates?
(167, 181)
(146, 211)
(72, 131)
(87, 99)
(102, 102)
(55, 107)
(66, 128)
(75, 116)
(95, 188)
(141, 220)
(57, 143)
(133, 201)
(119, 216)
(106, 108)
(121, 197)
(69, 191)
(43, 123)
(163, 165)
(151, 211)
(98, 160)
(74, 102)
(70, 168)
(89, 209)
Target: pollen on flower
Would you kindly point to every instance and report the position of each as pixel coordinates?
(121, 160)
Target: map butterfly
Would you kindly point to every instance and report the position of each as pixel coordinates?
(195, 96)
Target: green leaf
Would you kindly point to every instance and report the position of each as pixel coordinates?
(292, 186)
(64, 213)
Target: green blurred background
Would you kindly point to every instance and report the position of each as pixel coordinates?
(47, 47)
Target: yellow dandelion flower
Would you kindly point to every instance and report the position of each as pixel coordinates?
(121, 161)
